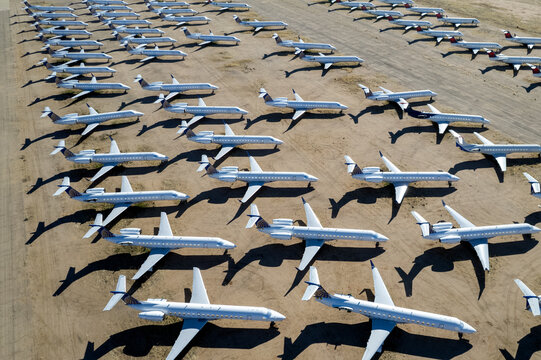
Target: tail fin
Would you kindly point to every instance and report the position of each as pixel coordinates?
(205, 165)
(138, 78)
(277, 38)
(255, 218)
(185, 130)
(366, 90)
(459, 139)
(535, 69)
(103, 231)
(47, 112)
(45, 63)
(353, 168)
(186, 31)
(535, 187)
(61, 147)
(314, 286)
(425, 225)
(490, 53)
(265, 95)
(65, 186)
(120, 294)
(507, 34)
(237, 19)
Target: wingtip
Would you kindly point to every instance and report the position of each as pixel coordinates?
(380, 154)
(303, 201)
(372, 264)
(443, 203)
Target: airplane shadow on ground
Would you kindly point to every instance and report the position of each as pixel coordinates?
(138, 341)
(531, 86)
(369, 195)
(502, 68)
(357, 335)
(380, 109)
(441, 259)
(433, 127)
(273, 255)
(507, 47)
(75, 176)
(527, 346)
(278, 116)
(423, 40)
(490, 162)
(318, 2)
(463, 52)
(320, 68)
(127, 261)
(277, 53)
(533, 218)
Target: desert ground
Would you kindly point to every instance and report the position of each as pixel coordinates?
(55, 284)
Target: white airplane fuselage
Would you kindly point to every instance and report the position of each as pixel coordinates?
(149, 40)
(79, 55)
(49, 8)
(186, 19)
(440, 33)
(96, 195)
(230, 5)
(73, 119)
(206, 110)
(89, 156)
(82, 69)
(305, 105)
(157, 52)
(91, 86)
(168, 11)
(106, 2)
(263, 24)
(410, 23)
(458, 21)
(73, 43)
(449, 118)
(447, 234)
(63, 23)
(524, 40)
(384, 13)
(208, 137)
(476, 45)
(117, 14)
(501, 148)
(160, 86)
(231, 174)
(356, 4)
(110, 7)
(332, 59)
(396, 96)
(53, 15)
(306, 46)
(517, 59)
(212, 38)
(378, 176)
(168, 242)
(66, 32)
(426, 10)
(137, 31)
(284, 230)
(168, 3)
(129, 22)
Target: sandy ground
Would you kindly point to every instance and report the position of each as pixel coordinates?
(55, 284)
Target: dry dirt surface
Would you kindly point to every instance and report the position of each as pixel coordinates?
(55, 284)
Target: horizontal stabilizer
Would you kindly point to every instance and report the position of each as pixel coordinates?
(61, 145)
(313, 284)
(63, 187)
(119, 292)
(254, 216)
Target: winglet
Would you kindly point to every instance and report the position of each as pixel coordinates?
(371, 264)
(303, 201)
(443, 203)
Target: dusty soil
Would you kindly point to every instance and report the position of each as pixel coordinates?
(55, 284)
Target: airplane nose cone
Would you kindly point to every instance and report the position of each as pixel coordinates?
(277, 141)
(213, 87)
(181, 196)
(535, 229)
(312, 178)
(138, 113)
(454, 178)
(228, 245)
(343, 107)
(276, 316)
(163, 158)
(381, 237)
(468, 329)
(242, 111)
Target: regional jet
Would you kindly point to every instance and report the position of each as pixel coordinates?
(87, 88)
(313, 234)
(535, 189)
(399, 179)
(255, 178)
(328, 60)
(498, 151)
(116, 14)
(104, 2)
(153, 53)
(535, 70)
(228, 141)
(259, 25)
(532, 301)
(74, 70)
(299, 105)
(168, 3)
(143, 40)
(474, 46)
(62, 23)
(353, 5)
(210, 38)
(201, 110)
(121, 200)
(170, 11)
(397, 97)
(81, 55)
(109, 8)
(530, 42)
(477, 236)
(92, 120)
(302, 45)
(443, 119)
(456, 21)
(67, 44)
(515, 61)
(380, 14)
(439, 35)
(61, 32)
(160, 244)
(195, 314)
(395, 3)
(50, 15)
(123, 29)
(45, 8)
(182, 20)
(227, 5)
(126, 22)
(384, 314)
(424, 11)
(174, 88)
(110, 160)
(409, 24)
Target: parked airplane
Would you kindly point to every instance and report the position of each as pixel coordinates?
(170, 11)
(399, 179)
(530, 42)
(109, 7)
(255, 178)
(201, 110)
(477, 236)
(302, 45)
(353, 5)
(87, 88)
(456, 21)
(110, 160)
(92, 120)
(45, 8)
(328, 60)
(210, 38)
(397, 97)
(227, 5)
(534, 185)
(195, 314)
(153, 53)
(74, 70)
(424, 11)
(121, 200)
(379, 14)
(313, 233)
(498, 151)
(123, 29)
(61, 32)
(168, 3)
(160, 244)
(143, 40)
(384, 314)
(474, 46)
(535, 70)
(126, 22)
(174, 88)
(395, 3)
(228, 141)
(299, 105)
(515, 61)
(50, 15)
(443, 119)
(104, 2)
(181, 20)
(81, 55)
(439, 35)
(62, 23)
(67, 44)
(532, 301)
(409, 24)
(115, 14)
(259, 25)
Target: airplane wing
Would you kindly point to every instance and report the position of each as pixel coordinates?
(224, 150)
(154, 256)
(439, 39)
(311, 218)
(516, 67)
(205, 43)
(386, 91)
(190, 328)
(114, 147)
(201, 102)
(228, 130)
(481, 248)
(147, 58)
(104, 169)
(254, 166)
(380, 330)
(475, 51)
(327, 65)
(461, 220)
(93, 80)
(389, 164)
(502, 161)
(252, 189)
(258, 28)
(165, 227)
(311, 249)
(89, 128)
(442, 126)
(82, 93)
(199, 293)
(117, 210)
(195, 119)
(483, 139)
(297, 96)
(531, 298)
(125, 186)
(400, 191)
(91, 110)
(381, 294)
(298, 114)
(174, 80)
(402, 103)
(433, 109)
(171, 95)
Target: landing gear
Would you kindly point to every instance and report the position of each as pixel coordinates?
(272, 325)
(377, 244)
(309, 185)
(450, 184)
(460, 335)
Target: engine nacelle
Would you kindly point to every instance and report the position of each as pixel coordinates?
(152, 315)
(282, 222)
(450, 239)
(371, 170)
(375, 178)
(130, 231)
(82, 160)
(228, 178)
(442, 226)
(95, 191)
(348, 309)
(281, 235)
(229, 169)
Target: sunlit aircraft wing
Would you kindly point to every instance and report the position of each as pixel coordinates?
(481, 248)
(254, 166)
(389, 164)
(531, 298)
(205, 43)
(165, 227)
(483, 139)
(252, 189)
(442, 126)
(89, 128)
(400, 191)
(195, 119)
(117, 210)
(386, 91)
(258, 28)
(171, 95)
(147, 58)
(154, 256)
(228, 130)
(501, 160)
(114, 147)
(190, 328)
(297, 96)
(199, 293)
(104, 169)
(461, 220)
(327, 65)
(381, 293)
(380, 330)
(298, 114)
(82, 93)
(311, 249)
(311, 218)
(224, 150)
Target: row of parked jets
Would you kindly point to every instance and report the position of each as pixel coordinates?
(384, 314)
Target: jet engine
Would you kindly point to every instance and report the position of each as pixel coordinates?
(152, 315)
